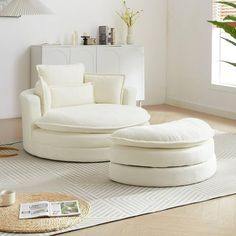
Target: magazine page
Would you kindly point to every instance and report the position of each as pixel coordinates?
(34, 210)
(65, 208)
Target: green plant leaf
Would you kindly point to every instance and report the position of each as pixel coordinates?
(226, 27)
(227, 3)
(230, 63)
(230, 41)
(232, 18)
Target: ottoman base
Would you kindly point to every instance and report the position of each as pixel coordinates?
(163, 177)
(160, 157)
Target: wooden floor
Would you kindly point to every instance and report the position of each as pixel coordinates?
(211, 218)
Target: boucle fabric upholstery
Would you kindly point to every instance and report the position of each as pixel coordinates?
(92, 118)
(163, 177)
(162, 157)
(171, 154)
(183, 133)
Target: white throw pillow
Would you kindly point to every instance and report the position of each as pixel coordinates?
(43, 91)
(72, 96)
(62, 75)
(183, 133)
(108, 89)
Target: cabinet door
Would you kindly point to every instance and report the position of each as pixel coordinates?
(127, 60)
(55, 56)
(85, 55)
(109, 60)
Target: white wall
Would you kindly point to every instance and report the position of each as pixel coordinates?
(189, 60)
(17, 35)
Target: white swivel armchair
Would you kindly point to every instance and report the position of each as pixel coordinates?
(69, 115)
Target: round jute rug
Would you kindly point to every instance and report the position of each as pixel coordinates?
(6, 151)
(10, 222)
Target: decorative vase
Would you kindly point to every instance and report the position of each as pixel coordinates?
(130, 36)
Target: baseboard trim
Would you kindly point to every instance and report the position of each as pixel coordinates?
(201, 108)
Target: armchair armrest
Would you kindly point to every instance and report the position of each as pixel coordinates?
(31, 111)
(129, 96)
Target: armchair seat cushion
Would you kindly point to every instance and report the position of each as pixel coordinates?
(93, 118)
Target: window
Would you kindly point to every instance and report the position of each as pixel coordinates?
(223, 73)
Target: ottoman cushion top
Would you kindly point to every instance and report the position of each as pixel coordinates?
(93, 118)
(183, 133)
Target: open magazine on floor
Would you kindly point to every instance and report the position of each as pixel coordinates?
(49, 209)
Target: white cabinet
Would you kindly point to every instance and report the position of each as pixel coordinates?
(86, 55)
(127, 60)
(55, 56)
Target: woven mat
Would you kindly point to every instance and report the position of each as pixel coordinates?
(8, 151)
(9, 216)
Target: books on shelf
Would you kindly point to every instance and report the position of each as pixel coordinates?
(49, 209)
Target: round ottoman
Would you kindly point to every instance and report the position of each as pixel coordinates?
(171, 154)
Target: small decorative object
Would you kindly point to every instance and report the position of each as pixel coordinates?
(112, 36)
(74, 39)
(103, 35)
(92, 41)
(17, 8)
(87, 40)
(7, 198)
(129, 16)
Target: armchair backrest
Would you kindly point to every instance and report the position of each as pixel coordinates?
(68, 85)
(61, 75)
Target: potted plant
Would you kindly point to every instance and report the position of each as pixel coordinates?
(228, 25)
(129, 16)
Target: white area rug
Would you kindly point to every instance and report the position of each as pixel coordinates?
(111, 201)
